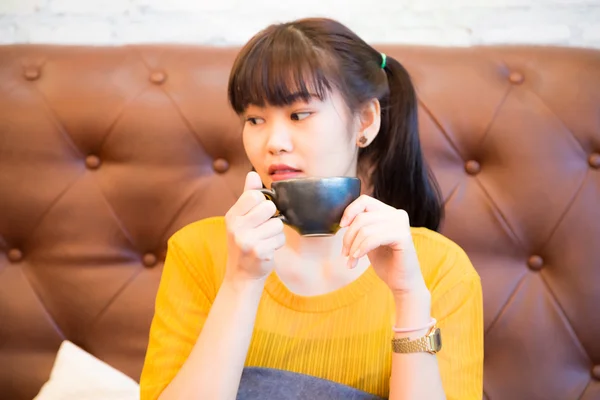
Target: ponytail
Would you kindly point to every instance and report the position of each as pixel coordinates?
(400, 176)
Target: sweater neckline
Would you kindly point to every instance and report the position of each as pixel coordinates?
(338, 298)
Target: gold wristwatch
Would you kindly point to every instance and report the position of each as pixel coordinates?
(430, 343)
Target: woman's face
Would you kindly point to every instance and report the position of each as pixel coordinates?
(304, 139)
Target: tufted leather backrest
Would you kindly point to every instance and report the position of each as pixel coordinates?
(106, 151)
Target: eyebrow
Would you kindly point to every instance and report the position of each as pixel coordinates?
(293, 97)
(289, 99)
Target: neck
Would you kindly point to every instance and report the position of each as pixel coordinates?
(315, 265)
(320, 248)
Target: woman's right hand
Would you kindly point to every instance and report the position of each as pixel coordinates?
(253, 236)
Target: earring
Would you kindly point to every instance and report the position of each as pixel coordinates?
(362, 141)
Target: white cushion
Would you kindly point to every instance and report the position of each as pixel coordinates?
(77, 374)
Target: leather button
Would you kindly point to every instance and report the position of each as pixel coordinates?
(92, 162)
(594, 160)
(15, 255)
(596, 372)
(31, 73)
(472, 167)
(535, 262)
(516, 78)
(149, 260)
(220, 165)
(158, 77)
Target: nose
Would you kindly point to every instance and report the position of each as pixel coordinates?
(279, 138)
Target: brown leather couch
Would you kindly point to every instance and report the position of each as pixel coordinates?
(106, 151)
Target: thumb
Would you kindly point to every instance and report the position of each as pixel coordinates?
(253, 181)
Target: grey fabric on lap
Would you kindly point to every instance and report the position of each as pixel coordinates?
(266, 384)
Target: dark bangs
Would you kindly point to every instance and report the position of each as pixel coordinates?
(279, 66)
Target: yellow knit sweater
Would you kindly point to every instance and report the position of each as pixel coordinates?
(343, 336)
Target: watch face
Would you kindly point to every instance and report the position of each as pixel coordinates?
(436, 340)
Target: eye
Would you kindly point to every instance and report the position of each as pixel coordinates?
(255, 120)
(298, 116)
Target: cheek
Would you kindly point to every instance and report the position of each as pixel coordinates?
(250, 146)
(338, 137)
(336, 144)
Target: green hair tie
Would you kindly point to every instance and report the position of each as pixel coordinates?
(383, 59)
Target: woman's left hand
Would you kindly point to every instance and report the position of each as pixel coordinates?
(383, 234)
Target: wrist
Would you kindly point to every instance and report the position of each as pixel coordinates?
(243, 286)
(413, 308)
(416, 295)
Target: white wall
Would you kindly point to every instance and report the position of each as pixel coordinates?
(225, 22)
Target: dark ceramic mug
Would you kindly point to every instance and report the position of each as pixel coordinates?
(313, 206)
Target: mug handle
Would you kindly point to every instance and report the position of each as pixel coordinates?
(271, 196)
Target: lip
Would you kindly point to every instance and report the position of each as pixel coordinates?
(279, 172)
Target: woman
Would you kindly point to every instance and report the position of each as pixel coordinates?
(355, 311)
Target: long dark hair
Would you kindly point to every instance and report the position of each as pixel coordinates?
(313, 56)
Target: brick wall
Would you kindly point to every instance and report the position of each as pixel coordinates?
(224, 22)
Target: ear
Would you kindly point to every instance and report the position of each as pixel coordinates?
(368, 121)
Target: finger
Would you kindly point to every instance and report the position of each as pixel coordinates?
(258, 215)
(391, 228)
(352, 263)
(247, 201)
(368, 243)
(361, 235)
(251, 196)
(386, 237)
(265, 249)
(367, 236)
(249, 239)
(359, 222)
(272, 227)
(253, 181)
(363, 204)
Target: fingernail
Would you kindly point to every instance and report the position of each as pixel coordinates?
(355, 263)
(349, 263)
(356, 254)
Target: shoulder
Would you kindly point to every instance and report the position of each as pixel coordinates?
(434, 241)
(443, 262)
(212, 228)
(203, 243)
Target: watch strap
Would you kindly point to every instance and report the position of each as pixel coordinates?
(430, 343)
